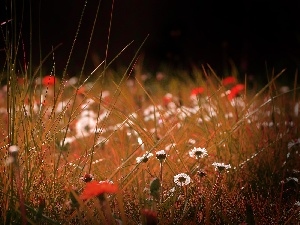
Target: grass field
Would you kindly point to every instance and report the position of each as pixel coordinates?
(113, 148)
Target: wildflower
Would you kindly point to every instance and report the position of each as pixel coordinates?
(221, 166)
(96, 189)
(152, 112)
(86, 124)
(150, 216)
(197, 152)
(191, 141)
(87, 178)
(13, 154)
(160, 76)
(229, 81)
(284, 89)
(48, 80)
(72, 81)
(197, 95)
(141, 143)
(235, 91)
(201, 173)
(171, 192)
(144, 158)
(197, 91)
(81, 90)
(167, 99)
(226, 93)
(67, 141)
(13, 150)
(170, 146)
(182, 179)
(292, 179)
(161, 155)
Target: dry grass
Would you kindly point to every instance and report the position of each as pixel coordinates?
(103, 130)
(112, 148)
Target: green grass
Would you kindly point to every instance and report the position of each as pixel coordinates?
(55, 136)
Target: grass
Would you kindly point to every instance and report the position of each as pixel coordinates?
(116, 149)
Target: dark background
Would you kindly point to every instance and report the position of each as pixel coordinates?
(256, 35)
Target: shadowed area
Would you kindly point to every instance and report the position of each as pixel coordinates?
(253, 35)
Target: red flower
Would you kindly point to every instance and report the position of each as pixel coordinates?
(95, 188)
(167, 99)
(229, 81)
(81, 90)
(48, 80)
(197, 91)
(237, 89)
(151, 216)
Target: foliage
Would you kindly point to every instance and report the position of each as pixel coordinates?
(147, 149)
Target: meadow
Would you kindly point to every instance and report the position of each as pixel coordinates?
(113, 148)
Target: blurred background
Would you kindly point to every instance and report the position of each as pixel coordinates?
(254, 35)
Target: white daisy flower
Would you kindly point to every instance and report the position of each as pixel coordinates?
(221, 166)
(182, 179)
(198, 152)
(144, 158)
(161, 155)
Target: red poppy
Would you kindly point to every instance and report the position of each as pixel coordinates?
(81, 90)
(48, 80)
(229, 81)
(237, 89)
(150, 216)
(95, 188)
(167, 99)
(197, 91)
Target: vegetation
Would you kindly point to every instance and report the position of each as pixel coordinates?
(113, 148)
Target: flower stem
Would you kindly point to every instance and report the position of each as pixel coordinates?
(161, 182)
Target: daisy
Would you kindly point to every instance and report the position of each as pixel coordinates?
(144, 158)
(161, 155)
(13, 149)
(182, 179)
(198, 153)
(86, 124)
(13, 154)
(221, 166)
(201, 173)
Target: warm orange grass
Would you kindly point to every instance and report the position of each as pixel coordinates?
(248, 170)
